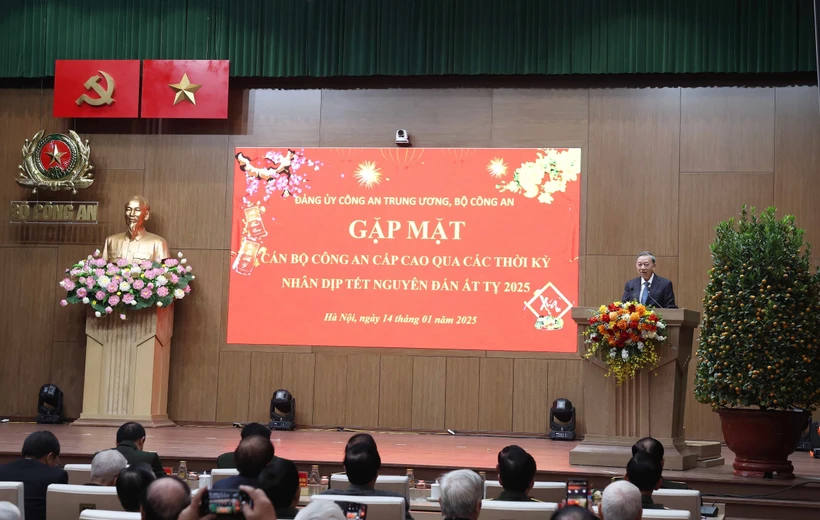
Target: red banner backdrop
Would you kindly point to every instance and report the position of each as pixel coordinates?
(185, 89)
(405, 247)
(96, 88)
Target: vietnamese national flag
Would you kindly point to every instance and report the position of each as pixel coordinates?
(185, 89)
(96, 88)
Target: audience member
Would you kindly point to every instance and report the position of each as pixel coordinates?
(132, 483)
(654, 449)
(252, 455)
(105, 468)
(258, 508)
(573, 513)
(321, 510)
(280, 482)
(645, 473)
(226, 460)
(461, 494)
(362, 463)
(165, 499)
(620, 501)
(38, 468)
(9, 511)
(516, 473)
(131, 442)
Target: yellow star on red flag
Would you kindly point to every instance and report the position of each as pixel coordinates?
(185, 90)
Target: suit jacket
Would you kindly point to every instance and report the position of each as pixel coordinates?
(234, 481)
(660, 292)
(36, 478)
(648, 503)
(286, 513)
(226, 461)
(364, 491)
(514, 496)
(133, 455)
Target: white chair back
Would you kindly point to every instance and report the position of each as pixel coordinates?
(13, 492)
(103, 514)
(396, 484)
(543, 491)
(502, 510)
(679, 499)
(66, 501)
(78, 474)
(667, 514)
(219, 474)
(378, 508)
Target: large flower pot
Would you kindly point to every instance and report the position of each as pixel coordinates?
(762, 440)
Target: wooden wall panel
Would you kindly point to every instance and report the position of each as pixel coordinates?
(233, 393)
(298, 371)
(605, 276)
(797, 158)
(495, 407)
(329, 400)
(280, 118)
(266, 378)
(566, 380)
(428, 393)
(727, 130)
(461, 404)
(396, 392)
(540, 118)
(633, 164)
(362, 399)
(68, 373)
(530, 394)
(433, 118)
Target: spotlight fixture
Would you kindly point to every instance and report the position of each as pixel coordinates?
(282, 410)
(564, 429)
(50, 405)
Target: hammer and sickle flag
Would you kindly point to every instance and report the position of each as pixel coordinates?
(96, 88)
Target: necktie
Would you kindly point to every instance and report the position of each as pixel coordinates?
(644, 292)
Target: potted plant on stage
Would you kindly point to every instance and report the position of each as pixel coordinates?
(758, 364)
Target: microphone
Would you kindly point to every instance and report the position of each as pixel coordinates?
(649, 295)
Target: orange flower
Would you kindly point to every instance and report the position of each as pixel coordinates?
(635, 338)
(613, 316)
(622, 325)
(641, 309)
(634, 316)
(611, 342)
(601, 329)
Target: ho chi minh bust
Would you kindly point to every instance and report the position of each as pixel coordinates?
(136, 244)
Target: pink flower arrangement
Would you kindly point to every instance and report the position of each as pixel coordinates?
(113, 300)
(162, 291)
(146, 293)
(138, 284)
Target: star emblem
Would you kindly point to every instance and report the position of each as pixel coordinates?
(56, 156)
(185, 90)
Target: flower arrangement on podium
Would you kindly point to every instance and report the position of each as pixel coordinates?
(625, 336)
(116, 287)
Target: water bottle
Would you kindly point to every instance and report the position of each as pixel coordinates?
(411, 484)
(314, 480)
(205, 480)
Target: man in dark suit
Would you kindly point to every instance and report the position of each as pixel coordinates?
(131, 441)
(226, 460)
(654, 449)
(649, 288)
(362, 463)
(252, 455)
(280, 482)
(38, 468)
(645, 473)
(516, 473)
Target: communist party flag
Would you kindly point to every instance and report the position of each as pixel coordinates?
(96, 88)
(185, 89)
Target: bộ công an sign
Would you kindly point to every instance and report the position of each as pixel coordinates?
(25, 212)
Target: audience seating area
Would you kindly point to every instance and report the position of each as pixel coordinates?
(497, 510)
(104, 514)
(378, 508)
(78, 474)
(396, 484)
(13, 492)
(67, 501)
(543, 491)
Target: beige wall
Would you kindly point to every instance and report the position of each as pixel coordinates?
(694, 155)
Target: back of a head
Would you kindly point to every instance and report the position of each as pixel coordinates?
(280, 482)
(644, 471)
(361, 438)
(255, 428)
(573, 513)
(39, 444)
(106, 465)
(650, 446)
(165, 499)
(621, 500)
(9, 511)
(461, 493)
(132, 483)
(321, 510)
(130, 431)
(516, 469)
(362, 463)
(252, 455)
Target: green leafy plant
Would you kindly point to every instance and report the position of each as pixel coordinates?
(760, 335)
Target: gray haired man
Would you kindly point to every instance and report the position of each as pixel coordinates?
(461, 494)
(105, 467)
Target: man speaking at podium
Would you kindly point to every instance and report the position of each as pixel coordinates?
(649, 288)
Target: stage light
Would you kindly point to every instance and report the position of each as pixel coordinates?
(562, 411)
(50, 405)
(282, 410)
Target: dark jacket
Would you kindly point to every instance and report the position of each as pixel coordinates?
(660, 295)
(648, 503)
(226, 461)
(36, 477)
(364, 491)
(286, 513)
(234, 481)
(134, 455)
(514, 496)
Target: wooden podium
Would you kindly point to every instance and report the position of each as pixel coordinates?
(651, 404)
(126, 369)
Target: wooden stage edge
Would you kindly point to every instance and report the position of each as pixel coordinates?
(428, 454)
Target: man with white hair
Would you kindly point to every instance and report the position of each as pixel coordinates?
(461, 494)
(9, 511)
(105, 467)
(621, 500)
(321, 510)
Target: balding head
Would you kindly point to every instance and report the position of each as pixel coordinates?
(165, 499)
(252, 455)
(142, 201)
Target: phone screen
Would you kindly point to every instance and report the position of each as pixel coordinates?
(354, 511)
(577, 493)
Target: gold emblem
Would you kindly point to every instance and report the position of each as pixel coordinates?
(56, 162)
(105, 94)
(185, 90)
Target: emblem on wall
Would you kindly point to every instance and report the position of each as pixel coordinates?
(56, 162)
